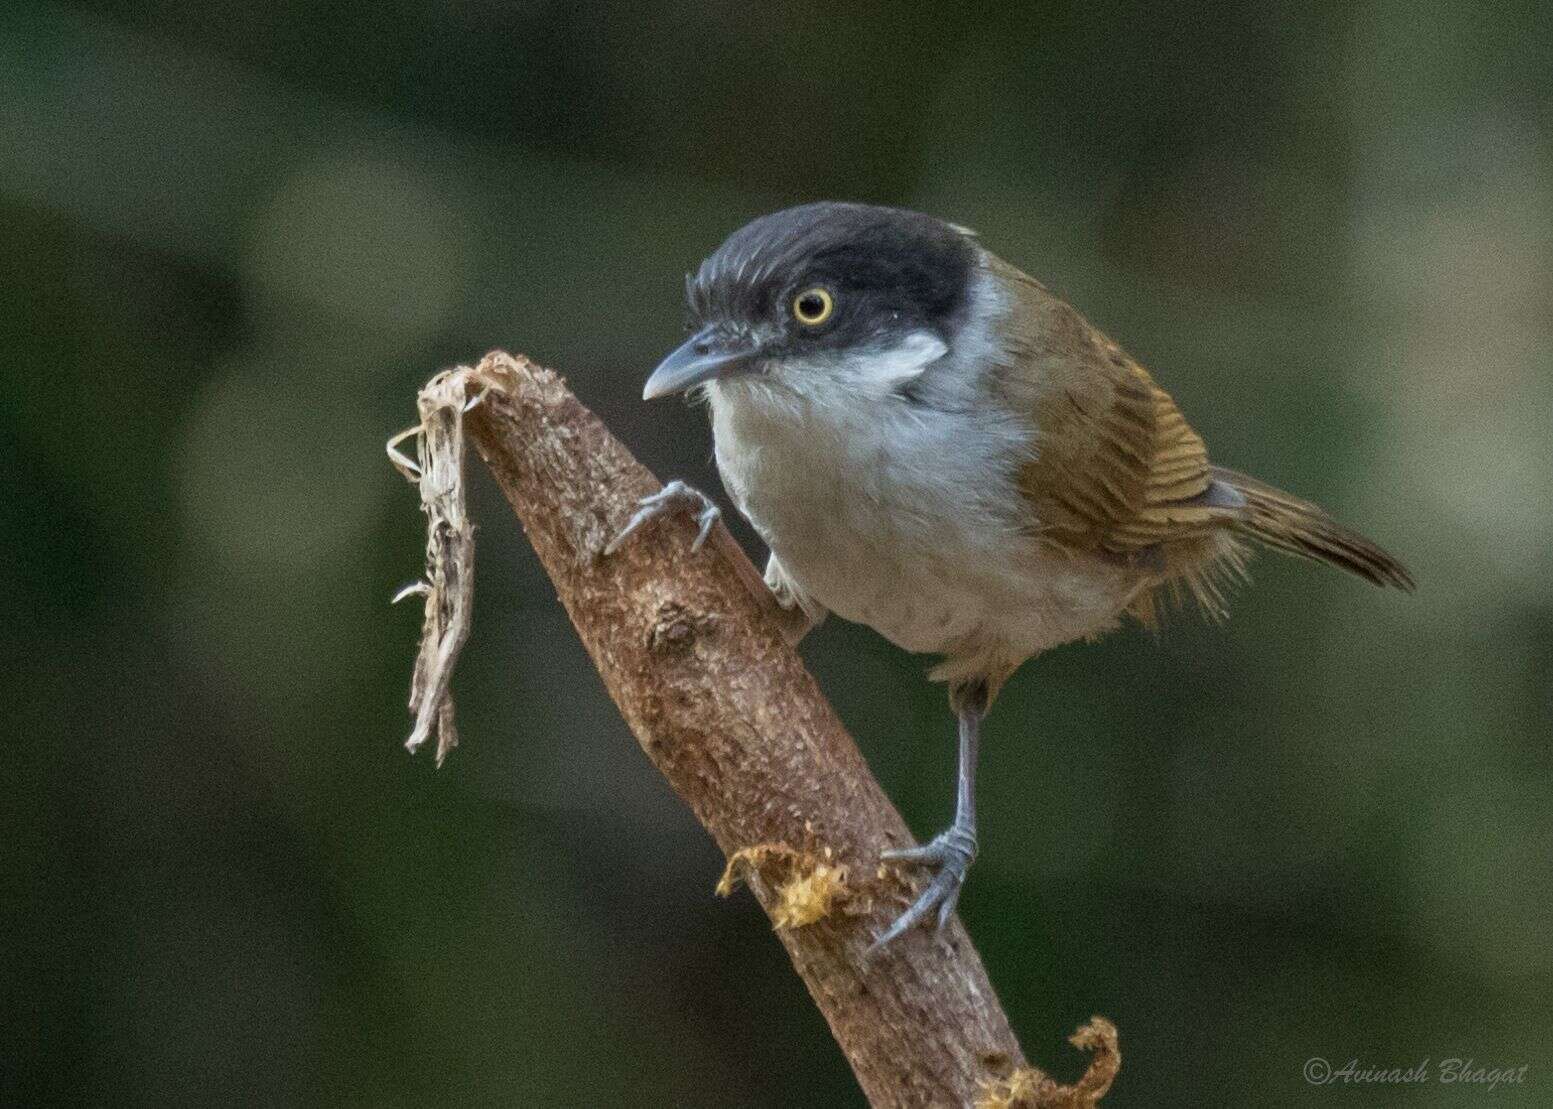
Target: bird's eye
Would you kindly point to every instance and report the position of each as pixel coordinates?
(813, 307)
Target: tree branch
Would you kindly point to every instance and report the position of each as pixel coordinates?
(726, 711)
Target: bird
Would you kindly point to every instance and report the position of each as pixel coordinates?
(932, 443)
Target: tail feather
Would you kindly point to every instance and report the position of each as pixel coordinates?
(1295, 526)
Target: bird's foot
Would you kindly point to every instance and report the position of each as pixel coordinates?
(951, 853)
(676, 496)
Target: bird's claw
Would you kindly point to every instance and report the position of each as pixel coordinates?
(673, 497)
(951, 852)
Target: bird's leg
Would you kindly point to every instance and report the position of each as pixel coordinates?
(676, 496)
(952, 851)
(795, 612)
(794, 615)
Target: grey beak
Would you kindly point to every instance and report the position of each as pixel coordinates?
(700, 358)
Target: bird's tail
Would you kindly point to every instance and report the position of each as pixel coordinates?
(1287, 523)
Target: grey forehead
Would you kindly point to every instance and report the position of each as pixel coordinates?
(828, 238)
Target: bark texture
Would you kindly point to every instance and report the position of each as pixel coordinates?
(726, 711)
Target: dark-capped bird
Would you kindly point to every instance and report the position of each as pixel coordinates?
(933, 444)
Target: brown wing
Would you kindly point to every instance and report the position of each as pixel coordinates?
(1117, 468)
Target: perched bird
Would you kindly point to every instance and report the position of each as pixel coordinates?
(935, 445)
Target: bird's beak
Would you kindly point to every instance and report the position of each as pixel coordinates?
(701, 358)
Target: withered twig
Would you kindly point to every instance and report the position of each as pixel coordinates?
(726, 711)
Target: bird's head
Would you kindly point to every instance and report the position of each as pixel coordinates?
(864, 295)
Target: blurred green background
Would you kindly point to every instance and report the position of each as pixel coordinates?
(238, 236)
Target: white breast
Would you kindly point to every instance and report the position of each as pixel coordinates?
(901, 518)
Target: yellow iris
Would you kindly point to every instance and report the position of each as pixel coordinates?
(813, 307)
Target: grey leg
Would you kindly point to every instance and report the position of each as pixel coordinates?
(676, 496)
(952, 851)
